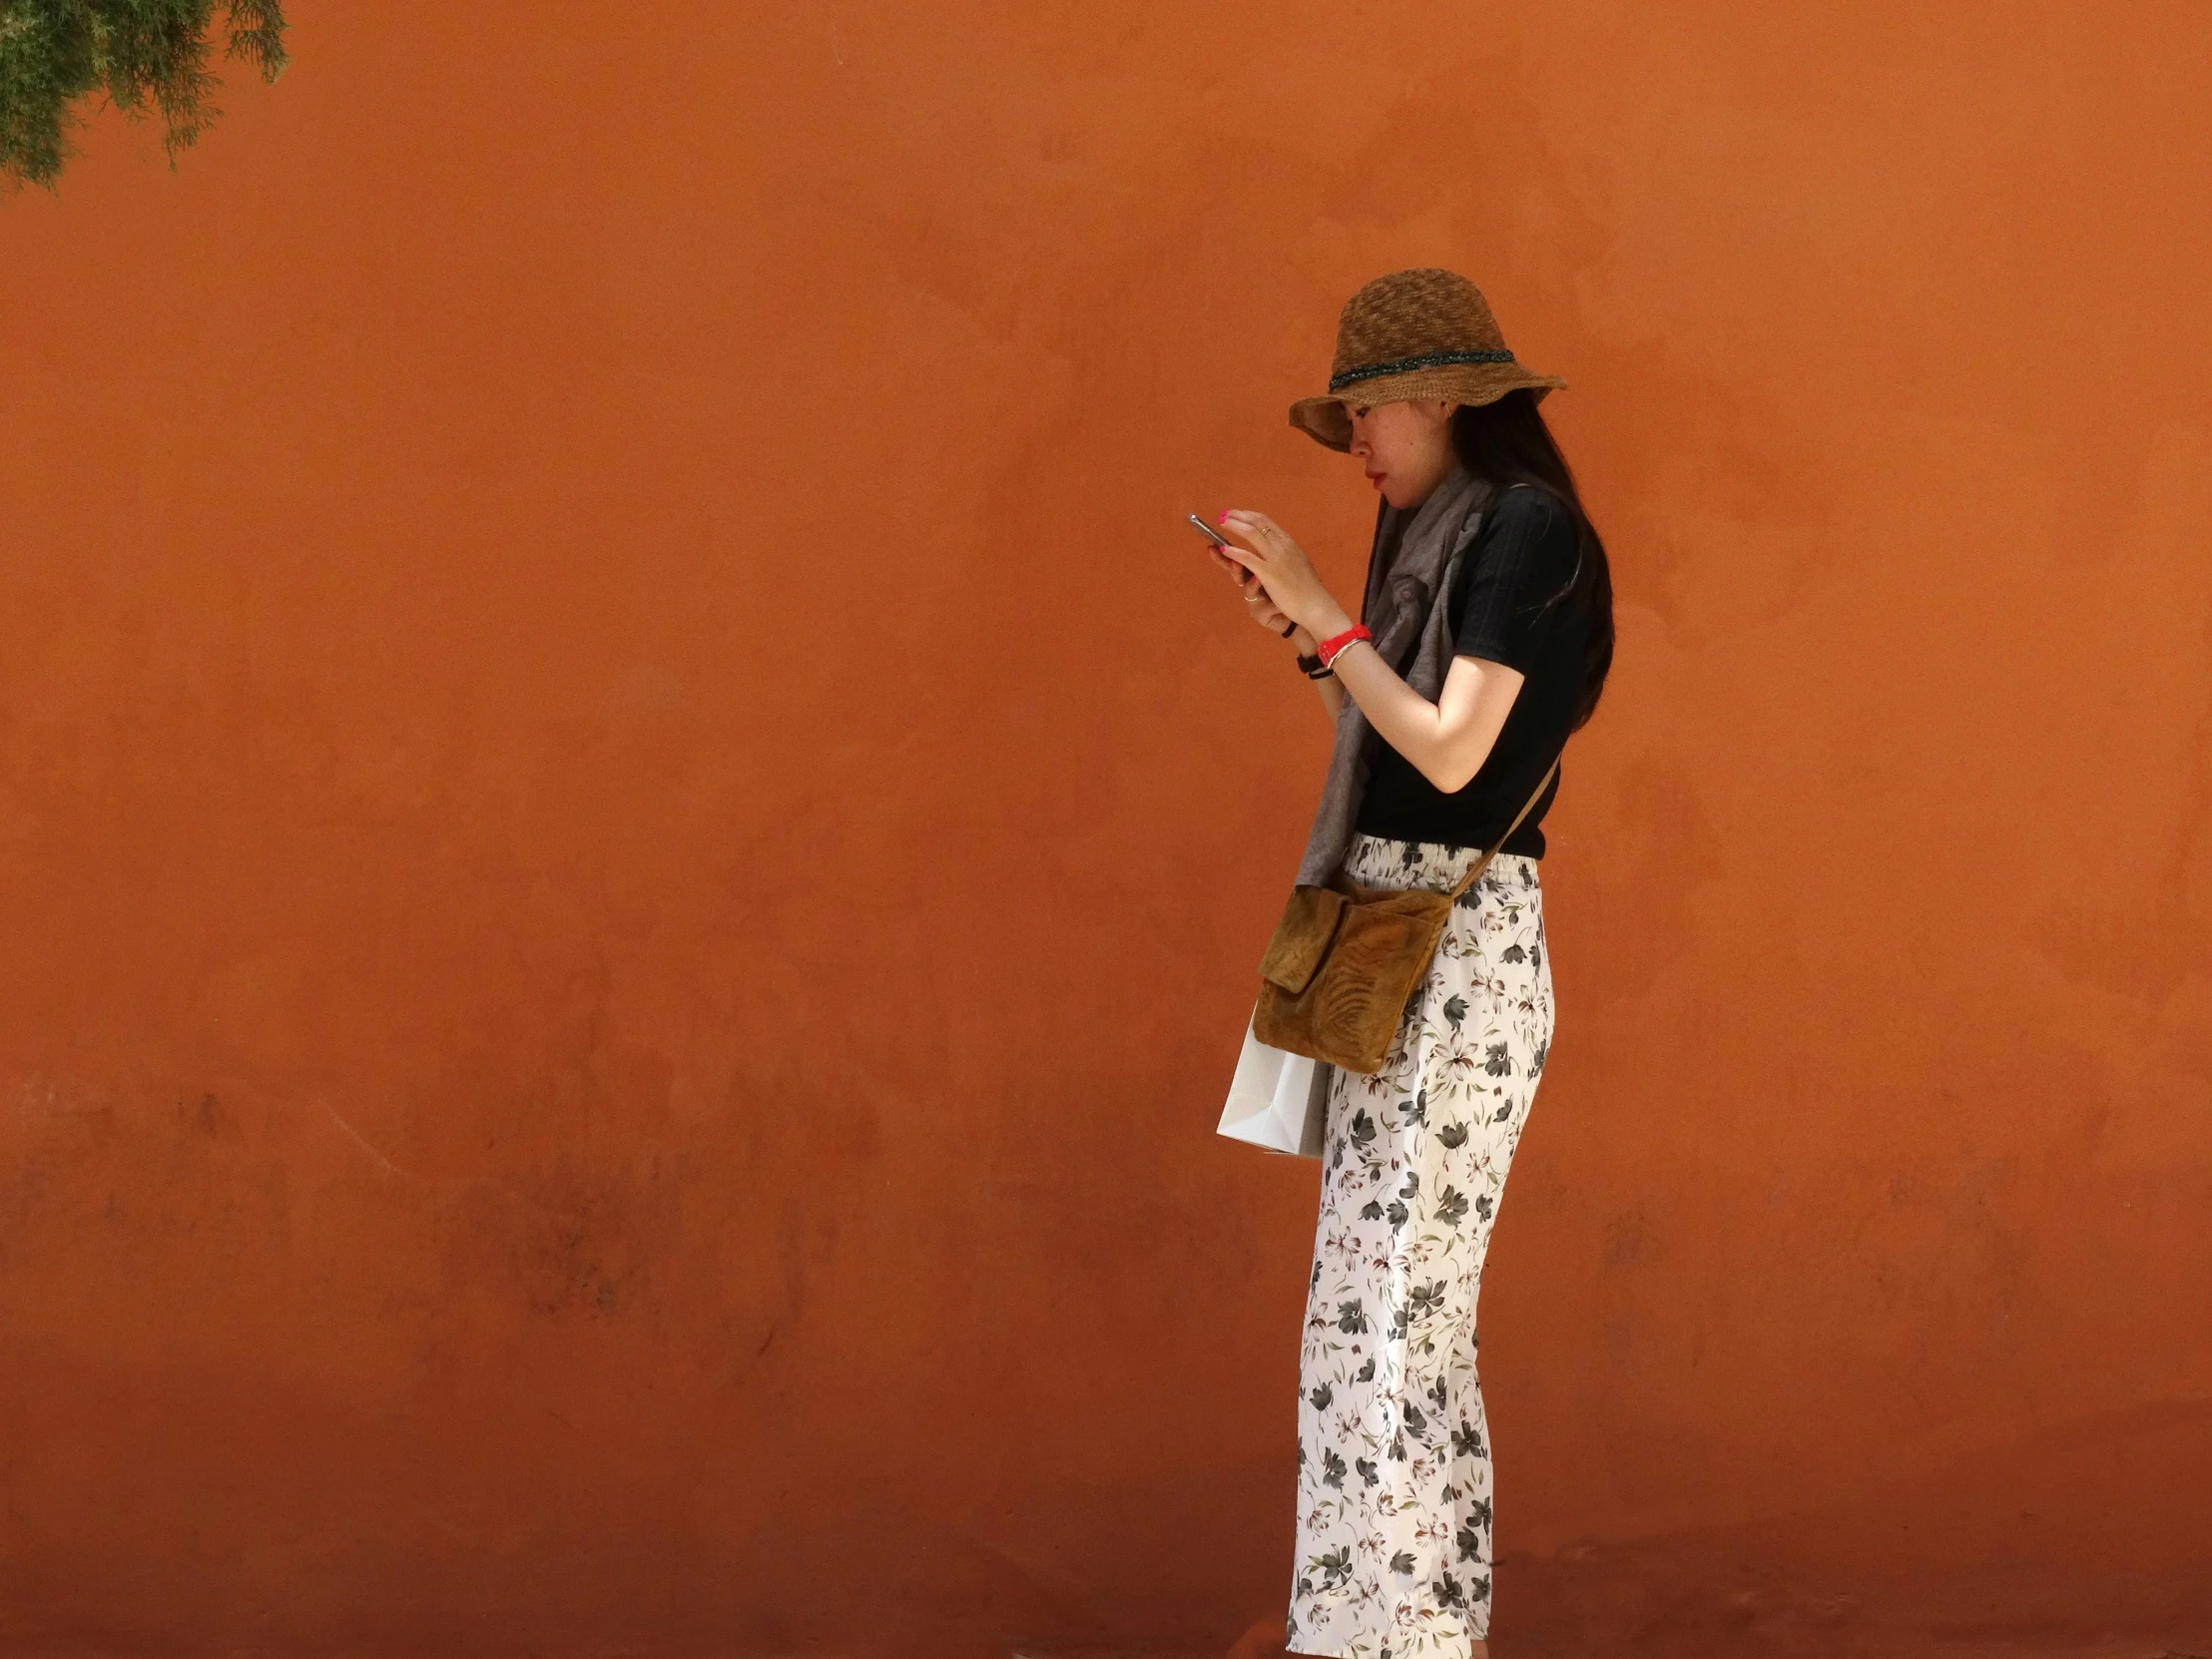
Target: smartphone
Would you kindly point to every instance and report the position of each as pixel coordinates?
(1207, 531)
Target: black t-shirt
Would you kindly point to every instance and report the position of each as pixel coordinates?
(1523, 553)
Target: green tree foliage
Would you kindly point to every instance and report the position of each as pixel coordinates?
(54, 54)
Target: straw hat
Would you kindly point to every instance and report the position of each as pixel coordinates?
(1423, 333)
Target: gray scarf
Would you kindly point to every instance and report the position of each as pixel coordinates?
(1412, 562)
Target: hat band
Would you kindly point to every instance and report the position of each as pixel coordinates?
(1434, 360)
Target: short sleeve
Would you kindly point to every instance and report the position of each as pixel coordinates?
(1524, 554)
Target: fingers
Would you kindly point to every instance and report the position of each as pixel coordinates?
(1254, 592)
(1252, 567)
(1247, 569)
(1248, 582)
(1269, 541)
(1261, 603)
(1236, 522)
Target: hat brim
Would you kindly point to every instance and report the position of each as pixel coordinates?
(1327, 419)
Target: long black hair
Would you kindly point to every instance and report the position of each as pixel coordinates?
(1507, 442)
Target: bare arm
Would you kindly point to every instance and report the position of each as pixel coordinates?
(1446, 741)
(1332, 696)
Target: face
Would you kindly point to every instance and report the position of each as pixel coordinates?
(1404, 446)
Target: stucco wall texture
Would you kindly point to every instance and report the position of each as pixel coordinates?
(635, 839)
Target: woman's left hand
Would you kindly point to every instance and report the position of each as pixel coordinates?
(1283, 569)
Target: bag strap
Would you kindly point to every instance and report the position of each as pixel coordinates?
(1467, 880)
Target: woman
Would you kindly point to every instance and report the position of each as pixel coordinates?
(1449, 718)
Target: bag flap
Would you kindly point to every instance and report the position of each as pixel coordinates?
(1302, 938)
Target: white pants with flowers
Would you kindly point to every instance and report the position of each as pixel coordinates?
(1393, 1454)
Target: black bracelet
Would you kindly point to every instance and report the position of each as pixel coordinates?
(1313, 667)
(1289, 629)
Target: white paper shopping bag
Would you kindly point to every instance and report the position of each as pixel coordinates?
(1277, 1100)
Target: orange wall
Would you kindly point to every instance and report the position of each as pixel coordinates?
(633, 840)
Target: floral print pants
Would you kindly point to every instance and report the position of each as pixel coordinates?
(1393, 1455)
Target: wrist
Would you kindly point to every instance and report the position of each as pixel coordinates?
(1328, 622)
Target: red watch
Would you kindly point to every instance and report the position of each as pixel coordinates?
(1330, 649)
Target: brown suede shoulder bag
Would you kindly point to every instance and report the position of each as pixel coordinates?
(1345, 957)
